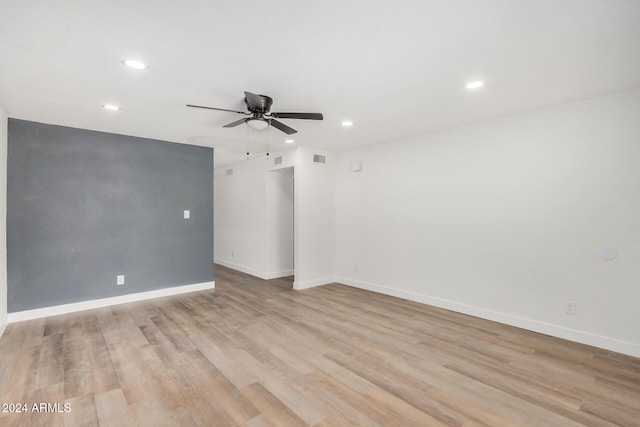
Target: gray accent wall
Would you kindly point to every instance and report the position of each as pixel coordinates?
(3, 222)
(86, 206)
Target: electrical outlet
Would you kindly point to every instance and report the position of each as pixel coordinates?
(233, 254)
(355, 267)
(120, 279)
(186, 214)
(571, 307)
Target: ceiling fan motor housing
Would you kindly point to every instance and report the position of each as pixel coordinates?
(261, 104)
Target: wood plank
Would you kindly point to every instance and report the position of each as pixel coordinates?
(82, 411)
(271, 408)
(112, 409)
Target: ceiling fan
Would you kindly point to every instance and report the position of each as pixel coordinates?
(261, 118)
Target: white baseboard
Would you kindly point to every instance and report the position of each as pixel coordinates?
(267, 276)
(3, 326)
(105, 302)
(607, 343)
(312, 283)
(238, 267)
(278, 274)
(253, 272)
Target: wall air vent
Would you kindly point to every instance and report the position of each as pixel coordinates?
(229, 171)
(277, 160)
(317, 158)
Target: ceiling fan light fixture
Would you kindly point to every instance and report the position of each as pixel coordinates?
(258, 124)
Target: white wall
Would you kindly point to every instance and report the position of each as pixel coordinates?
(505, 219)
(253, 216)
(314, 219)
(279, 209)
(239, 217)
(3, 220)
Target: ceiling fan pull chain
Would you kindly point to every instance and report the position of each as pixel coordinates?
(247, 133)
(268, 133)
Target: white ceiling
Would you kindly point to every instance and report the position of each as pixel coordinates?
(394, 68)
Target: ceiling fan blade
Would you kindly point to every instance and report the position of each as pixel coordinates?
(234, 124)
(308, 116)
(281, 126)
(218, 109)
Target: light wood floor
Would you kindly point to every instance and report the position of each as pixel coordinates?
(257, 353)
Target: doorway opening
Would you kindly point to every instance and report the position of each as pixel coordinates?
(280, 223)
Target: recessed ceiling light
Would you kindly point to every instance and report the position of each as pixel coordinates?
(135, 64)
(474, 85)
(289, 141)
(110, 107)
(347, 123)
